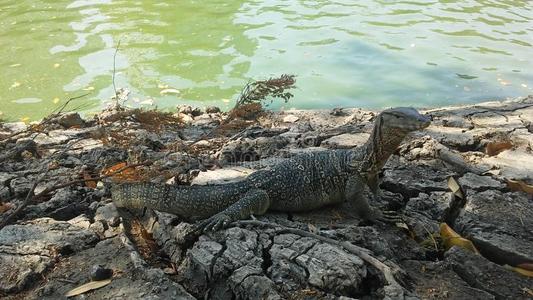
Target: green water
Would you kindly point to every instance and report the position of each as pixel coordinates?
(345, 53)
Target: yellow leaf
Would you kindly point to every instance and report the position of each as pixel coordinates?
(526, 266)
(524, 272)
(225, 100)
(454, 186)
(26, 120)
(56, 100)
(451, 238)
(518, 185)
(56, 65)
(89, 88)
(15, 84)
(162, 86)
(93, 285)
(15, 65)
(169, 91)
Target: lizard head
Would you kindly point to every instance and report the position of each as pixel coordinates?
(405, 119)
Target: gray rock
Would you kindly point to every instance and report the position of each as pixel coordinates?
(471, 181)
(212, 109)
(434, 280)
(27, 250)
(107, 213)
(67, 203)
(290, 119)
(499, 225)
(411, 179)
(70, 119)
(133, 282)
(482, 274)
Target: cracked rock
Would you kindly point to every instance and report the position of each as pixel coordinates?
(27, 250)
(499, 224)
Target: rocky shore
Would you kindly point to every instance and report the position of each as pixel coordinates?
(60, 228)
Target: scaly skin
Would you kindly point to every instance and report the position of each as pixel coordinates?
(301, 183)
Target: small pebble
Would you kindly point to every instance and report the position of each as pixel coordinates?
(99, 272)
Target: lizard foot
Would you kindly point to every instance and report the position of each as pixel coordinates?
(389, 216)
(214, 223)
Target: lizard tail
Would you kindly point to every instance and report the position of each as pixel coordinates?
(191, 202)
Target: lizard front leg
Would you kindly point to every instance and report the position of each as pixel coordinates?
(354, 192)
(254, 202)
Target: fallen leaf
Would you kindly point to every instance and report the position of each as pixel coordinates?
(15, 84)
(128, 174)
(454, 186)
(524, 272)
(93, 285)
(494, 148)
(56, 65)
(169, 91)
(312, 228)
(89, 183)
(518, 185)
(162, 86)
(147, 102)
(89, 88)
(526, 266)
(55, 100)
(5, 207)
(451, 238)
(15, 65)
(26, 120)
(529, 291)
(225, 100)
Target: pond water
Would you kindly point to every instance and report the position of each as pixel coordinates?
(368, 54)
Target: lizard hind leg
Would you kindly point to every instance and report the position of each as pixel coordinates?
(253, 202)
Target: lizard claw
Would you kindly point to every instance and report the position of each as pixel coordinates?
(389, 216)
(214, 223)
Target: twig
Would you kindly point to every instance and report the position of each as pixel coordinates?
(24, 203)
(114, 68)
(44, 121)
(73, 182)
(30, 197)
(393, 289)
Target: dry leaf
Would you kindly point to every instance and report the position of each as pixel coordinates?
(518, 185)
(524, 272)
(169, 91)
(89, 183)
(5, 207)
(26, 120)
(454, 186)
(93, 285)
(451, 238)
(526, 266)
(312, 228)
(529, 291)
(494, 148)
(128, 174)
(56, 100)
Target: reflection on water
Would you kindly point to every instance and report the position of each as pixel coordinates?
(346, 53)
